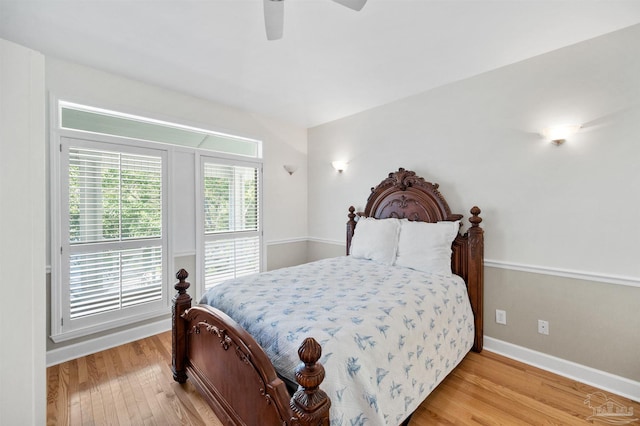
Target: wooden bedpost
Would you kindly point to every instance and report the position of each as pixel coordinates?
(351, 226)
(476, 273)
(309, 404)
(181, 302)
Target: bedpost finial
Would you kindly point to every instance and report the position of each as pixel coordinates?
(475, 219)
(310, 351)
(351, 226)
(182, 285)
(309, 402)
(182, 274)
(310, 373)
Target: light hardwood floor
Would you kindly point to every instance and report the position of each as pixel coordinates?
(132, 385)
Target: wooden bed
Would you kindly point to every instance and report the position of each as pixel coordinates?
(233, 373)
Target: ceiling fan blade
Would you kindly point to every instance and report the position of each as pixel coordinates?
(274, 18)
(352, 4)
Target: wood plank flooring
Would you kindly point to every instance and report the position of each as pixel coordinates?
(133, 385)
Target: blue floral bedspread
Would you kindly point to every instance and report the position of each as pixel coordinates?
(389, 334)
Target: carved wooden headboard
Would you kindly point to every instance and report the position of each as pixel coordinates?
(405, 195)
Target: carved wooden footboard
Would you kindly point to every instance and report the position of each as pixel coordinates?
(233, 373)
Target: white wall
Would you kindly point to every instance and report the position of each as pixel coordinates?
(560, 222)
(284, 197)
(569, 207)
(22, 233)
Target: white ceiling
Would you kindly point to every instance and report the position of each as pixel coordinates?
(332, 61)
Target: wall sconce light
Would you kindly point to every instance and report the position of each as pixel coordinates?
(340, 166)
(290, 168)
(559, 134)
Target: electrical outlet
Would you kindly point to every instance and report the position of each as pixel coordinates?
(501, 316)
(543, 327)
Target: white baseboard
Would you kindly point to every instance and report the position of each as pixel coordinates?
(77, 350)
(601, 379)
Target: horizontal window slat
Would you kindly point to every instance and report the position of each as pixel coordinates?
(230, 198)
(114, 195)
(231, 258)
(230, 208)
(112, 280)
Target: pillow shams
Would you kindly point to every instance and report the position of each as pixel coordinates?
(376, 239)
(427, 246)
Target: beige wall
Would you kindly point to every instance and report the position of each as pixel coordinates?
(319, 250)
(590, 323)
(280, 255)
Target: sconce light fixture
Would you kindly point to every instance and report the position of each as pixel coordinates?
(290, 168)
(340, 166)
(559, 134)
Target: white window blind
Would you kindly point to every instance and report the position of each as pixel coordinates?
(114, 196)
(115, 279)
(231, 221)
(113, 252)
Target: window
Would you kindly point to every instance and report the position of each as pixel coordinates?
(100, 121)
(112, 253)
(231, 225)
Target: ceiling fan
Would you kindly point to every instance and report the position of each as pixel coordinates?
(274, 15)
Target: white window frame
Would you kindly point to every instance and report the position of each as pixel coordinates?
(201, 159)
(62, 326)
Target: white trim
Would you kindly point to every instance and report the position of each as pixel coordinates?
(601, 379)
(327, 241)
(163, 123)
(535, 269)
(160, 116)
(268, 243)
(198, 288)
(121, 321)
(567, 273)
(55, 303)
(558, 272)
(288, 241)
(77, 350)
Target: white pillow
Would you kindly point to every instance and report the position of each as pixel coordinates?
(427, 246)
(376, 239)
